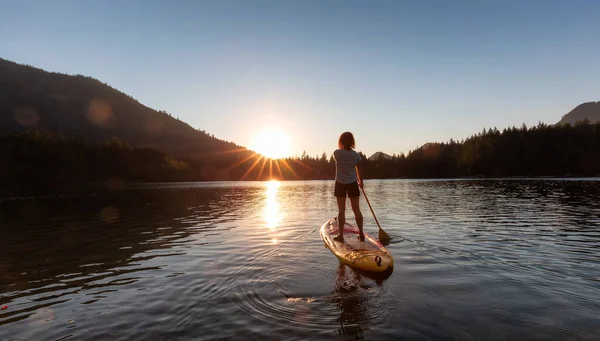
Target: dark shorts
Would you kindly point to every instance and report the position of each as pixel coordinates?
(341, 190)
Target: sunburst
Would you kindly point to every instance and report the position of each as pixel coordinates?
(272, 143)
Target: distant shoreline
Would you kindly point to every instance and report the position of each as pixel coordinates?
(90, 188)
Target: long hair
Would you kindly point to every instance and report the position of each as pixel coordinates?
(346, 141)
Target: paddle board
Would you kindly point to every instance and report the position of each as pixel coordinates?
(368, 255)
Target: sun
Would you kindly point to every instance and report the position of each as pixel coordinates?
(272, 143)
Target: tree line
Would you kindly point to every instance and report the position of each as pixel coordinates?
(542, 150)
(37, 158)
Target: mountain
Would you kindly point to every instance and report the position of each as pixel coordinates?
(380, 155)
(80, 106)
(589, 111)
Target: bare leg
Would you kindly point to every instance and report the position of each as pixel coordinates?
(341, 218)
(358, 216)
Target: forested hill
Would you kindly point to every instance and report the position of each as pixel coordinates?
(79, 106)
(589, 111)
(542, 150)
(57, 129)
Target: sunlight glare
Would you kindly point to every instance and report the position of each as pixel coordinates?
(272, 215)
(272, 143)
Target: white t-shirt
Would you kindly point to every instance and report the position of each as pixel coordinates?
(345, 161)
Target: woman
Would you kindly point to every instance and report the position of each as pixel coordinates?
(348, 179)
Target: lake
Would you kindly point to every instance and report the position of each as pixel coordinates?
(474, 260)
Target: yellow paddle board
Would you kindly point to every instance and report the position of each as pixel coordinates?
(368, 255)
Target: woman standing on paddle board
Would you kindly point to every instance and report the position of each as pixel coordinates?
(348, 178)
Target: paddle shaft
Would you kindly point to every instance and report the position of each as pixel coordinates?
(370, 207)
(383, 236)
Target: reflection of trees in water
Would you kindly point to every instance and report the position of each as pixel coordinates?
(52, 247)
(574, 198)
(498, 201)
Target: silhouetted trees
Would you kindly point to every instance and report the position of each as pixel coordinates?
(560, 150)
(39, 159)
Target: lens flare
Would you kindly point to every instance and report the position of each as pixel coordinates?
(100, 113)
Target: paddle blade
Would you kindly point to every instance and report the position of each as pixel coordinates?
(384, 238)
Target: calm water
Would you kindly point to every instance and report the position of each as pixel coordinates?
(489, 260)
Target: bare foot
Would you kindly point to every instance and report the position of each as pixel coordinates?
(361, 237)
(339, 238)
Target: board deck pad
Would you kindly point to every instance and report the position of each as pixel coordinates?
(351, 239)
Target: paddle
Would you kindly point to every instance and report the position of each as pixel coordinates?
(384, 238)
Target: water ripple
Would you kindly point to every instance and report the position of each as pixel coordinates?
(475, 259)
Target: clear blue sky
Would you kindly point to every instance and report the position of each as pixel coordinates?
(396, 73)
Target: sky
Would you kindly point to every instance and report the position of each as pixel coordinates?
(397, 74)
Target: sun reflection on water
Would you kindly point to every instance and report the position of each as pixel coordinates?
(272, 215)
